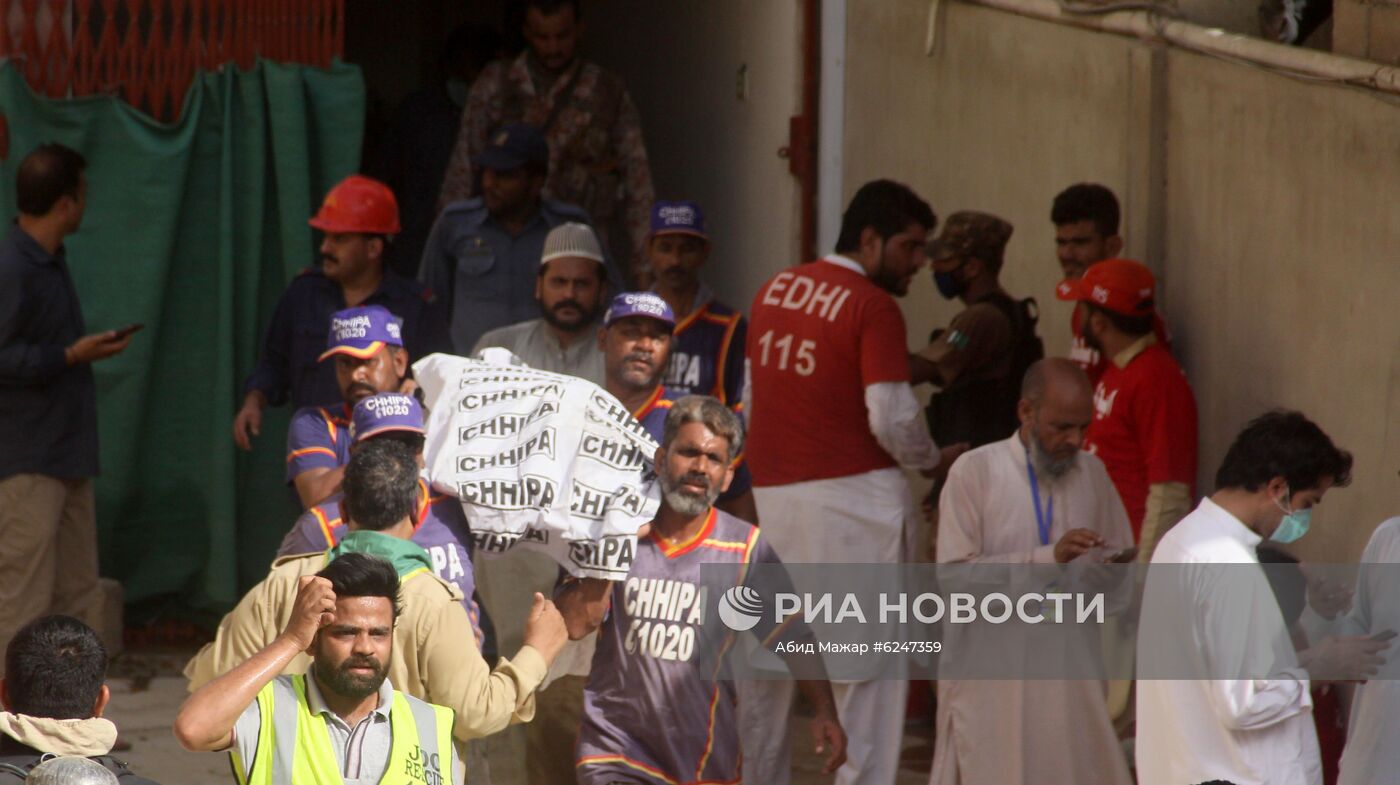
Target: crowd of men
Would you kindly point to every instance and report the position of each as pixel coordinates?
(373, 646)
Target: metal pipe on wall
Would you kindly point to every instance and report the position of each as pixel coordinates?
(803, 130)
(1303, 63)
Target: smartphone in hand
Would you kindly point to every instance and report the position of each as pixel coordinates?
(127, 330)
(1122, 556)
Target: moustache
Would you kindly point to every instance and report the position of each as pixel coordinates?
(325, 257)
(365, 387)
(695, 478)
(641, 357)
(567, 304)
(360, 662)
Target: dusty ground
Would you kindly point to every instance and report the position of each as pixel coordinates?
(146, 693)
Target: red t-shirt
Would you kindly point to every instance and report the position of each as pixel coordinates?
(819, 334)
(1144, 427)
(1091, 361)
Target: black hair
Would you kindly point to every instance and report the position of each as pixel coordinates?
(54, 668)
(413, 441)
(1137, 326)
(380, 484)
(885, 206)
(50, 172)
(478, 43)
(552, 7)
(1283, 444)
(362, 575)
(1087, 202)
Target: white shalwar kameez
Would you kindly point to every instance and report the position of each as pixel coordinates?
(1023, 731)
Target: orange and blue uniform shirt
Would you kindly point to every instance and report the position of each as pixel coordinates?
(440, 529)
(708, 355)
(657, 709)
(318, 438)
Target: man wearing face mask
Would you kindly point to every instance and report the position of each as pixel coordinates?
(1221, 694)
(980, 359)
(1144, 411)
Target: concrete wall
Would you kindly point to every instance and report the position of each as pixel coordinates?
(1260, 200)
(681, 60)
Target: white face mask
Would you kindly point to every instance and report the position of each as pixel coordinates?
(457, 90)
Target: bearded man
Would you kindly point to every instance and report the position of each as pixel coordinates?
(1034, 498)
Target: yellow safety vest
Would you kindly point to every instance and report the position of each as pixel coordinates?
(420, 752)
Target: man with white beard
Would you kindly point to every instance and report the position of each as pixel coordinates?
(657, 710)
(1034, 498)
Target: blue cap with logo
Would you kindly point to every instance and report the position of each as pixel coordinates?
(392, 411)
(361, 332)
(678, 218)
(639, 304)
(512, 146)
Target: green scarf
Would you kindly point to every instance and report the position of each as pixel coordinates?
(406, 556)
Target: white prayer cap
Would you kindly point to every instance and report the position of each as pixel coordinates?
(572, 239)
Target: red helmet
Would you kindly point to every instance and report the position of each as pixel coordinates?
(358, 204)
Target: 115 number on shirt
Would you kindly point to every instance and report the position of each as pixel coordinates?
(804, 360)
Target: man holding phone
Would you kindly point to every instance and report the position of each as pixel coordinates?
(1035, 498)
(48, 402)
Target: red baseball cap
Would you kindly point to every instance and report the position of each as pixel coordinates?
(1119, 285)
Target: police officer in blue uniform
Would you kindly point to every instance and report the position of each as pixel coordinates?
(358, 217)
(483, 255)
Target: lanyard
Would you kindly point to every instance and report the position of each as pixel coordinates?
(1044, 518)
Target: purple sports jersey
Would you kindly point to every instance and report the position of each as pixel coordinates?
(654, 711)
(441, 531)
(652, 416)
(318, 438)
(707, 357)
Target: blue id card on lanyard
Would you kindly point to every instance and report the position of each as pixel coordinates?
(1043, 518)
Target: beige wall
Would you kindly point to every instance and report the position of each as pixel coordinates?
(1260, 200)
(681, 60)
(1282, 268)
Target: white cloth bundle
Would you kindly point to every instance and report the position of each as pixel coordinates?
(541, 461)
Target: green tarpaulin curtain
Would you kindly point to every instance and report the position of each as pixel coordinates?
(193, 229)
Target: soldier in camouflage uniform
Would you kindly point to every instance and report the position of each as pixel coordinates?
(597, 158)
(979, 360)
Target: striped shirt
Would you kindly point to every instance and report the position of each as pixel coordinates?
(707, 357)
(654, 710)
